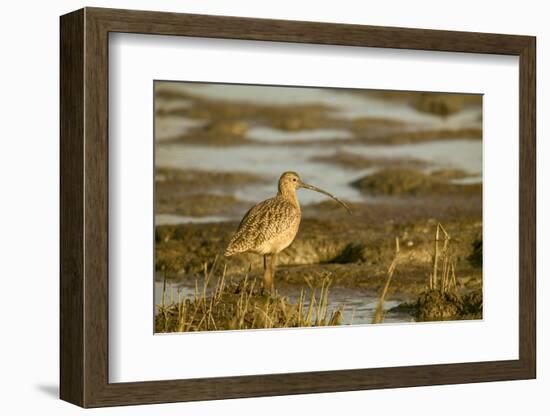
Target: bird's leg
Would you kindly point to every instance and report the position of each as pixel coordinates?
(268, 272)
(272, 267)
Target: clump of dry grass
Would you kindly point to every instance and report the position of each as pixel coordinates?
(379, 313)
(442, 276)
(232, 306)
(441, 300)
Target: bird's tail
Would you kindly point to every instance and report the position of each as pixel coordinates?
(235, 246)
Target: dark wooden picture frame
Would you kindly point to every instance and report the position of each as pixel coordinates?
(84, 207)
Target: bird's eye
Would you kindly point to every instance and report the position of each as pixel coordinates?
(293, 179)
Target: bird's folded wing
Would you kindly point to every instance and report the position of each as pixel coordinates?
(263, 222)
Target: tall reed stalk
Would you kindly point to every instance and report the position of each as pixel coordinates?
(442, 277)
(379, 313)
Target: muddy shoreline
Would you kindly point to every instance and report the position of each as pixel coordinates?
(352, 251)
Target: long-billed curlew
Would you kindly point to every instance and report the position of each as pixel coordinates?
(270, 226)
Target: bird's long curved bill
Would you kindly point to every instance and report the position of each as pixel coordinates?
(321, 191)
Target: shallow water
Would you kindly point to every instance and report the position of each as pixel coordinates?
(359, 304)
(172, 104)
(457, 153)
(467, 181)
(271, 135)
(171, 127)
(346, 103)
(270, 162)
(163, 219)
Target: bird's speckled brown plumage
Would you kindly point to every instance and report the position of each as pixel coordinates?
(268, 227)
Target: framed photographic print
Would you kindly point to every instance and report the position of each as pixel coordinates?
(256, 207)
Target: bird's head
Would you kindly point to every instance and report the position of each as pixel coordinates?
(289, 182)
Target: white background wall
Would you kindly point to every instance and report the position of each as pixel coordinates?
(29, 171)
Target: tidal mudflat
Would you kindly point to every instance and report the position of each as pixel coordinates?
(406, 163)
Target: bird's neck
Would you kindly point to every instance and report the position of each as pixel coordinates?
(290, 196)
